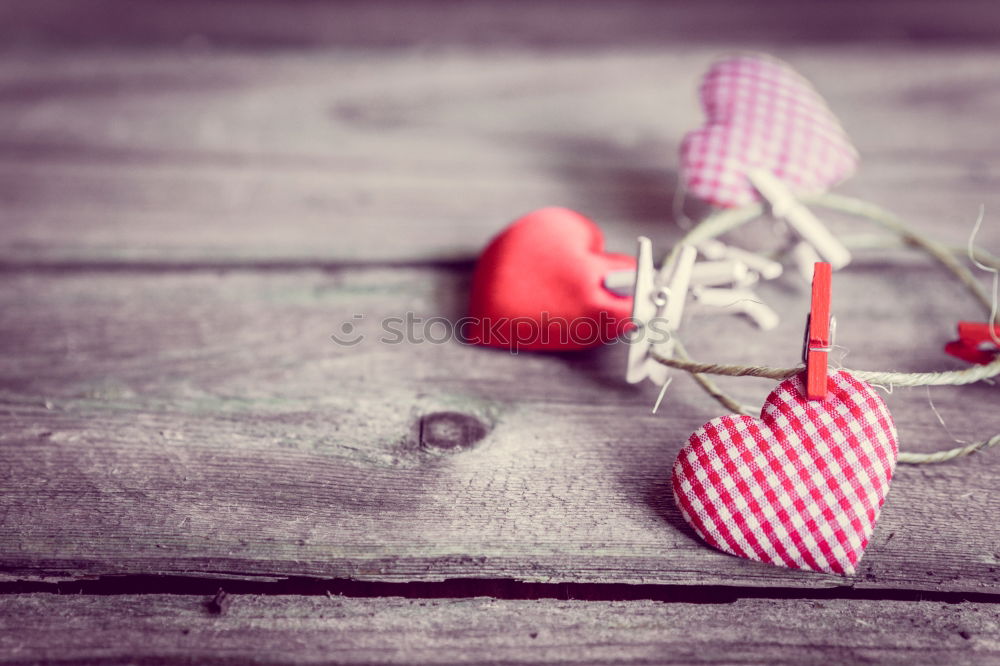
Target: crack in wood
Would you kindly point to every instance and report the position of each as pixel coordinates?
(462, 588)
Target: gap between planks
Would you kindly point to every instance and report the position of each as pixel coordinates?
(465, 588)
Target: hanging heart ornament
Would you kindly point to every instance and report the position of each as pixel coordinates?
(802, 486)
(762, 114)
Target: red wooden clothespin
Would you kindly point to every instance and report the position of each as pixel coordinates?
(818, 336)
(975, 344)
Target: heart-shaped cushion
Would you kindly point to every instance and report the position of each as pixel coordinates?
(540, 285)
(762, 114)
(800, 487)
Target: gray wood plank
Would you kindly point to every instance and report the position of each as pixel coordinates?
(274, 24)
(283, 157)
(292, 629)
(204, 422)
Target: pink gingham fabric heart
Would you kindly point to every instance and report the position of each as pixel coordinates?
(762, 114)
(802, 486)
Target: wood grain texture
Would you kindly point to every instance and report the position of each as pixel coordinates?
(290, 629)
(179, 157)
(271, 24)
(160, 416)
(205, 422)
(195, 196)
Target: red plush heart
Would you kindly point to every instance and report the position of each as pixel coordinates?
(801, 487)
(540, 285)
(763, 114)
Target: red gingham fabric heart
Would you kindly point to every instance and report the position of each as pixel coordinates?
(762, 113)
(802, 486)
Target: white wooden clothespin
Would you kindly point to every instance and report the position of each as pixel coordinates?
(807, 226)
(805, 257)
(736, 296)
(657, 307)
(659, 298)
(740, 300)
(703, 273)
(621, 283)
(766, 268)
(720, 272)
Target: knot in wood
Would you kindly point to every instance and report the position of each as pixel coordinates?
(450, 431)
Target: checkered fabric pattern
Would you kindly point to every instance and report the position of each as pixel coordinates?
(763, 114)
(802, 486)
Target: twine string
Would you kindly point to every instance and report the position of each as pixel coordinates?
(989, 269)
(730, 219)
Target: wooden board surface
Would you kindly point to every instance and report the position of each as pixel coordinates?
(289, 158)
(153, 629)
(391, 24)
(205, 422)
(195, 196)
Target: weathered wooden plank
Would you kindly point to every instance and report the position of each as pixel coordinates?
(272, 23)
(286, 629)
(205, 422)
(167, 157)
